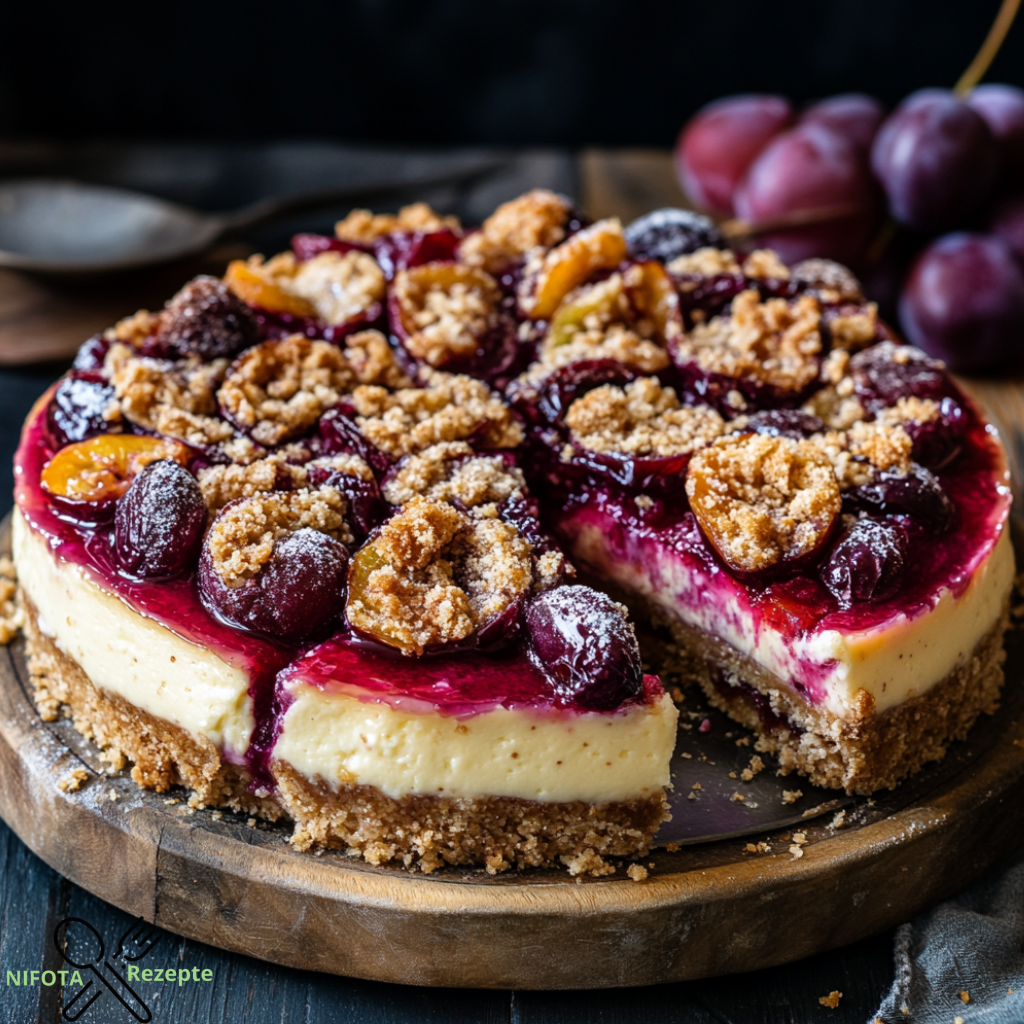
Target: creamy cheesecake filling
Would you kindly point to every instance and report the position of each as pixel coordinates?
(132, 655)
(900, 658)
(548, 755)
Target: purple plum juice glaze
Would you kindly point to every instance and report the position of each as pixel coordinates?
(456, 686)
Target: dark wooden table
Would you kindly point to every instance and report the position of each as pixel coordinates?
(41, 324)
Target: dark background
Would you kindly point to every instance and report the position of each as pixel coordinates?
(550, 72)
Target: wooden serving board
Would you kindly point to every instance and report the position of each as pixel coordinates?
(704, 910)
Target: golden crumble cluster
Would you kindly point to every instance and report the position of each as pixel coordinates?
(535, 221)
(445, 310)
(174, 399)
(643, 418)
(449, 407)
(363, 227)
(453, 471)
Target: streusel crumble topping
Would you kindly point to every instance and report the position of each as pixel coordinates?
(762, 499)
(452, 471)
(643, 418)
(364, 227)
(174, 399)
(706, 262)
(279, 389)
(535, 220)
(776, 342)
(433, 575)
(445, 310)
(450, 407)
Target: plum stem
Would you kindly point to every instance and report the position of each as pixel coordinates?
(993, 41)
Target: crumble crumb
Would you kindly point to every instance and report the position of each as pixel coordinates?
(790, 796)
(764, 263)
(637, 872)
(775, 342)
(836, 405)
(737, 798)
(743, 741)
(251, 822)
(135, 329)
(74, 781)
(174, 399)
(242, 536)
(433, 575)
(800, 838)
(762, 499)
(450, 471)
(372, 360)
(112, 795)
(831, 1000)
(756, 765)
(279, 389)
(534, 221)
(643, 418)
(587, 862)
(364, 227)
(706, 262)
(839, 821)
(796, 852)
(450, 407)
(965, 997)
(445, 310)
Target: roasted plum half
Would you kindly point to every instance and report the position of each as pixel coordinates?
(548, 280)
(451, 316)
(868, 563)
(158, 524)
(761, 353)
(582, 642)
(667, 234)
(276, 563)
(85, 479)
(765, 504)
(83, 405)
(435, 580)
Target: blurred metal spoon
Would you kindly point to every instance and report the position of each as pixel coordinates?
(69, 228)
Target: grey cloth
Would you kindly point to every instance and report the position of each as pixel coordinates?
(973, 943)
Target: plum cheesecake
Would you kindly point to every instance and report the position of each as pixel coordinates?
(354, 537)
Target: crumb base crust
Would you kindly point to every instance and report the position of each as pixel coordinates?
(861, 753)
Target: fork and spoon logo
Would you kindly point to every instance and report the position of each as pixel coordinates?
(137, 941)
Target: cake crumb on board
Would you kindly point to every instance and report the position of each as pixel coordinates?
(637, 872)
(831, 1000)
(73, 781)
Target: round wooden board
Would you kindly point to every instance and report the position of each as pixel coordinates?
(704, 910)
